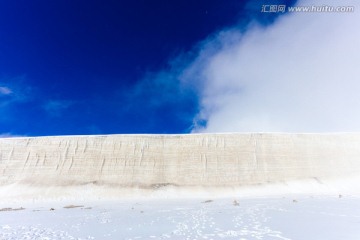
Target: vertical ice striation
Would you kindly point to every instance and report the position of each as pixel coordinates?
(190, 160)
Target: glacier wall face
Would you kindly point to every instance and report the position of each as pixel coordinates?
(184, 160)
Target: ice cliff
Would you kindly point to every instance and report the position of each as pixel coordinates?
(184, 160)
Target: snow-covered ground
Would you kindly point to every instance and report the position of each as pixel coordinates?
(285, 216)
(262, 186)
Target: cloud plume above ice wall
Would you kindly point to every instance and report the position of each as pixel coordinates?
(300, 74)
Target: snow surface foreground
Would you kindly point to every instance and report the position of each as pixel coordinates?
(203, 186)
(129, 164)
(282, 218)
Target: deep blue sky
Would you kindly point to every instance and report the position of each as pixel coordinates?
(78, 67)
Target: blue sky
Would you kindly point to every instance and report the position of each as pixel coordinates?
(93, 67)
(96, 67)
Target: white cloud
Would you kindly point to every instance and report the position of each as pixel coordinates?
(300, 74)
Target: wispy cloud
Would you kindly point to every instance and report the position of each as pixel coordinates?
(10, 135)
(14, 90)
(55, 108)
(5, 90)
(5, 98)
(94, 129)
(160, 98)
(299, 74)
